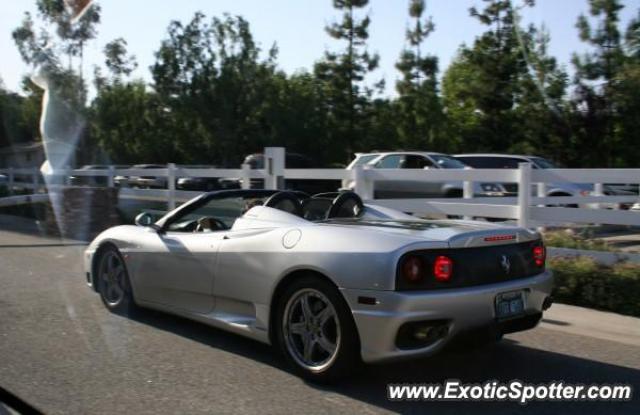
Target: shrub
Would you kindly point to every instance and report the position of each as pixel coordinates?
(574, 240)
(582, 281)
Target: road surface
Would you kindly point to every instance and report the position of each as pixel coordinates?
(61, 351)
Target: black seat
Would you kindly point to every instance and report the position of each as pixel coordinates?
(286, 201)
(346, 205)
(324, 206)
(316, 208)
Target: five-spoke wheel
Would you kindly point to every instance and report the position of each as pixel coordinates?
(113, 281)
(316, 331)
(312, 329)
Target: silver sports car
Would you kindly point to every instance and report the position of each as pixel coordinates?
(326, 279)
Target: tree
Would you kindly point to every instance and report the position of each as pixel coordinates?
(128, 124)
(343, 74)
(68, 37)
(420, 111)
(626, 100)
(596, 72)
(483, 86)
(118, 62)
(13, 128)
(541, 110)
(215, 88)
(42, 44)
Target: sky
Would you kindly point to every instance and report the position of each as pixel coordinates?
(297, 27)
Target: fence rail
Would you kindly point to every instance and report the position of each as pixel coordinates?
(528, 208)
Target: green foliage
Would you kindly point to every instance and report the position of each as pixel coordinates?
(217, 96)
(484, 86)
(575, 240)
(342, 75)
(128, 123)
(605, 102)
(420, 118)
(584, 282)
(13, 128)
(117, 61)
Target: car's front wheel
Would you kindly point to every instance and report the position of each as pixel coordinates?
(113, 282)
(316, 332)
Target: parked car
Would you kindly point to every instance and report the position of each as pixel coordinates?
(399, 189)
(121, 180)
(293, 161)
(327, 280)
(511, 161)
(156, 182)
(206, 183)
(97, 180)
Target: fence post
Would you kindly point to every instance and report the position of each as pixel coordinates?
(274, 166)
(362, 185)
(467, 192)
(246, 176)
(541, 191)
(35, 180)
(524, 193)
(598, 190)
(11, 180)
(171, 185)
(110, 175)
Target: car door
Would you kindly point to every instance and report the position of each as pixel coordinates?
(405, 188)
(388, 189)
(176, 267)
(177, 270)
(421, 188)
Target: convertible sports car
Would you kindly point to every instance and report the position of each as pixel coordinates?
(326, 279)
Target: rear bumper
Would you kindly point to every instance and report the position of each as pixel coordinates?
(463, 310)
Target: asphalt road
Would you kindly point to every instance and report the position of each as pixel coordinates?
(61, 351)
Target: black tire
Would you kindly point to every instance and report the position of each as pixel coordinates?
(346, 358)
(123, 303)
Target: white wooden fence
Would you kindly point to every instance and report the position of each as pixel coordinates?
(528, 210)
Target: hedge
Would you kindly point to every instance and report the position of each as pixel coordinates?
(584, 282)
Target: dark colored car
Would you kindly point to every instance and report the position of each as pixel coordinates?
(206, 183)
(82, 180)
(293, 161)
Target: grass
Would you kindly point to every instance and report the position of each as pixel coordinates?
(583, 282)
(575, 240)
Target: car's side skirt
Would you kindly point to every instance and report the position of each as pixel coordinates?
(236, 323)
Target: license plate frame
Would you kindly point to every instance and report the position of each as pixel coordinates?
(510, 304)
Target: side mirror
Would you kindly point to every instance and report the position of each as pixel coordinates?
(144, 219)
(426, 168)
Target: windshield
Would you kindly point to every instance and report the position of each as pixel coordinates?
(543, 163)
(447, 162)
(362, 160)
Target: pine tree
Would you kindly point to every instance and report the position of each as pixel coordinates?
(596, 72)
(419, 104)
(343, 74)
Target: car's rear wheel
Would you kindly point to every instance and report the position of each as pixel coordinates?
(316, 332)
(113, 282)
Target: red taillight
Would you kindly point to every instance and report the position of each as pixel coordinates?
(539, 255)
(413, 269)
(442, 268)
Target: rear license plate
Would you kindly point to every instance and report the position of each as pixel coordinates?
(509, 304)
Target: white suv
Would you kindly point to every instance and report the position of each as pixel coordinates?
(398, 189)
